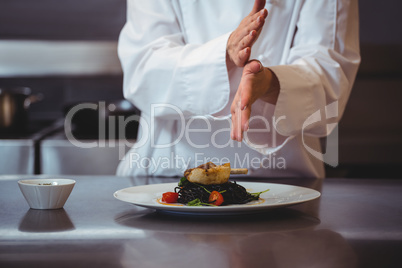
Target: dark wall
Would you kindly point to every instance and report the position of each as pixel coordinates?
(61, 20)
(102, 20)
(71, 20)
(380, 22)
(371, 130)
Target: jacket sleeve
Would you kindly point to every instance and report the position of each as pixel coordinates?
(160, 68)
(319, 71)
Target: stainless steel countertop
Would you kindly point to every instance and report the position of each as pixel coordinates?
(355, 223)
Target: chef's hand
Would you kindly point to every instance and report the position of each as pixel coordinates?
(257, 82)
(239, 44)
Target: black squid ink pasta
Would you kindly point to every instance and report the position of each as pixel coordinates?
(232, 193)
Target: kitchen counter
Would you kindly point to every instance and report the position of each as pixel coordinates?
(355, 223)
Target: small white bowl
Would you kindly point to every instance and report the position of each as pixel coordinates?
(46, 193)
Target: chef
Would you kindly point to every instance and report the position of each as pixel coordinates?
(253, 83)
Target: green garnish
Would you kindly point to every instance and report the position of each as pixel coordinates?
(183, 181)
(203, 188)
(257, 195)
(197, 203)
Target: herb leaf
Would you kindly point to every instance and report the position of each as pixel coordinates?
(183, 181)
(197, 203)
(257, 195)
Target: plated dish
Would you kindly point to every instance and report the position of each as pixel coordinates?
(279, 195)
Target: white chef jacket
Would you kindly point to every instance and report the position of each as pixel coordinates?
(173, 54)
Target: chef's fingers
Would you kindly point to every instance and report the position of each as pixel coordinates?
(249, 28)
(260, 23)
(233, 106)
(253, 28)
(255, 22)
(236, 130)
(236, 127)
(246, 101)
(232, 132)
(255, 66)
(245, 118)
(258, 5)
(247, 94)
(244, 55)
(233, 110)
(250, 34)
(245, 36)
(240, 123)
(249, 39)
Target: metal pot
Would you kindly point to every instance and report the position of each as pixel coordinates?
(14, 105)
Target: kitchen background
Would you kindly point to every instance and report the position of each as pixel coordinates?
(66, 51)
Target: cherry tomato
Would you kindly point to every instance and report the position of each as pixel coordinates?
(170, 197)
(215, 198)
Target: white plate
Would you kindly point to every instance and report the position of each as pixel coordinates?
(279, 195)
